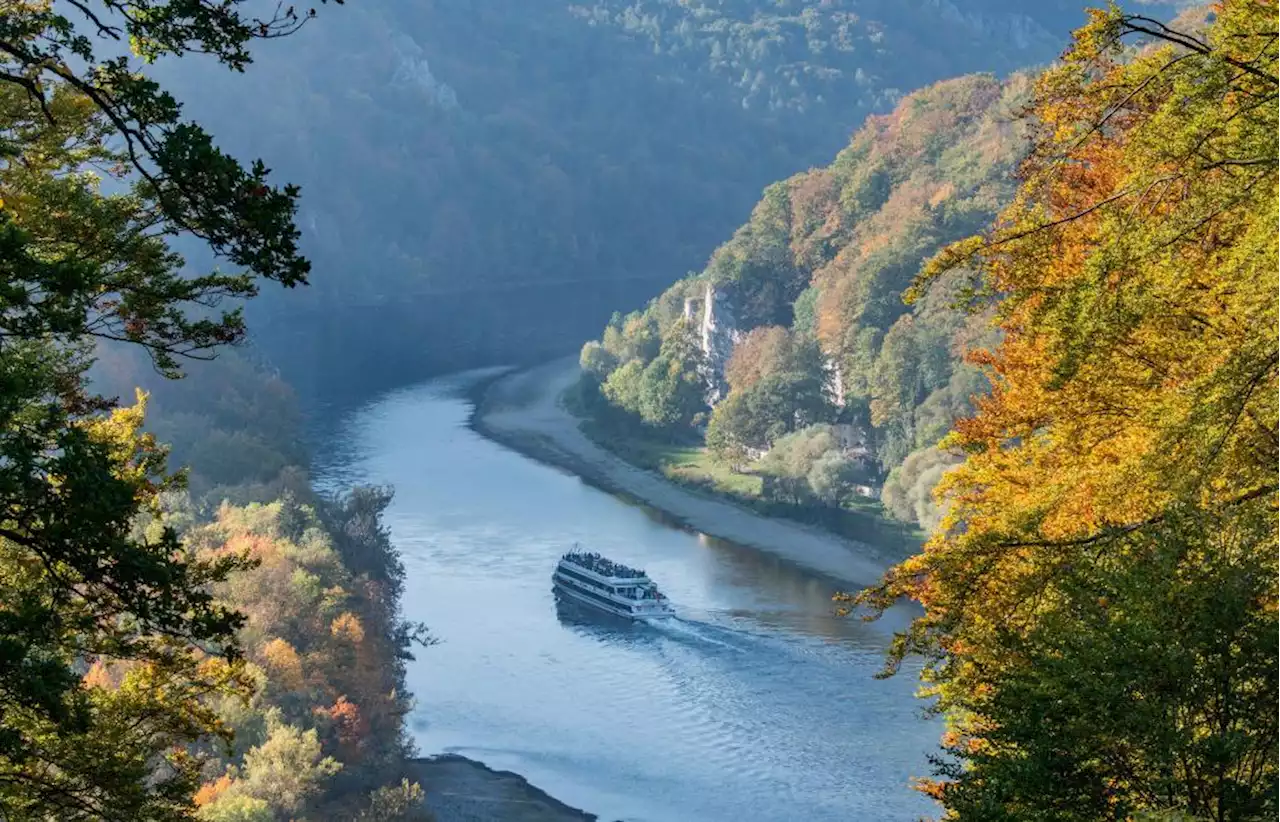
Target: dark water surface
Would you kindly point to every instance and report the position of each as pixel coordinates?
(757, 704)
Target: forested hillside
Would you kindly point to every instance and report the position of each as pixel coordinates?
(843, 56)
(488, 180)
(806, 325)
(316, 712)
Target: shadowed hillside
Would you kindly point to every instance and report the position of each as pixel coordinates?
(489, 181)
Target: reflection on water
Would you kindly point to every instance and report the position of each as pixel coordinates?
(599, 625)
(755, 703)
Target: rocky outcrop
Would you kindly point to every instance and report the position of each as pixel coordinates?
(413, 71)
(712, 316)
(835, 381)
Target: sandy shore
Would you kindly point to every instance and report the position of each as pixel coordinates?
(462, 790)
(522, 410)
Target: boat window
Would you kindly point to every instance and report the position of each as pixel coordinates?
(602, 599)
(579, 577)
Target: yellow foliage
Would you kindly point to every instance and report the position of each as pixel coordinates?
(140, 458)
(1136, 273)
(347, 626)
(284, 663)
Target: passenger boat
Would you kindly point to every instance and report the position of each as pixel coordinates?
(592, 580)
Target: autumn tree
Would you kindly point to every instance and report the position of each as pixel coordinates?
(761, 352)
(1100, 598)
(1143, 687)
(782, 386)
(825, 257)
(81, 581)
(323, 625)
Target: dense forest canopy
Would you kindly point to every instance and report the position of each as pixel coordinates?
(843, 56)
(492, 180)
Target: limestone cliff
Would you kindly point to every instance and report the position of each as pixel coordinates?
(717, 334)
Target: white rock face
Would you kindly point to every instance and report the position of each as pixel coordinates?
(413, 71)
(835, 381)
(717, 334)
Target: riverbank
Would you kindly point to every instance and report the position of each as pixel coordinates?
(462, 790)
(522, 410)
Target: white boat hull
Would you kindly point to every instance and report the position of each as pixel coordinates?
(569, 589)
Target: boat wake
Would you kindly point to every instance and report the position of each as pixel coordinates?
(683, 629)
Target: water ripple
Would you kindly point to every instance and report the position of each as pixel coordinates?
(755, 705)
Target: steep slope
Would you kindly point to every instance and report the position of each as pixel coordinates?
(490, 180)
(799, 319)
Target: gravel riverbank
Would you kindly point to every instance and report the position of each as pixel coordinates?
(522, 410)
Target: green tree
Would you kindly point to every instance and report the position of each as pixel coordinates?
(908, 490)
(672, 388)
(624, 388)
(833, 476)
(597, 361)
(793, 394)
(49, 53)
(1102, 716)
(397, 803)
(76, 266)
(665, 390)
(237, 807)
(286, 769)
(795, 454)
(809, 465)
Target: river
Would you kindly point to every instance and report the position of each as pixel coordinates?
(757, 704)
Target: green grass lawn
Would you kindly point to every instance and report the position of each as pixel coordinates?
(690, 464)
(687, 463)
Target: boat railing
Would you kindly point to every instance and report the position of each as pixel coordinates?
(602, 565)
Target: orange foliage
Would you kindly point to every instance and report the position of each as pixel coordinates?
(941, 194)
(350, 723)
(210, 791)
(815, 217)
(1138, 367)
(253, 545)
(943, 108)
(98, 676)
(322, 639)
(756, 356)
